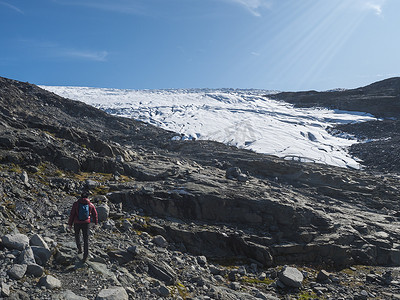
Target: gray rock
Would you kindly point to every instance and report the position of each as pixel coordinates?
(15, 241)
(126, 225)
(162, 271)
(103, 211)
(233, 173)
(114, 293)
(163, 291)
(102, 269)
(42, 255)
(26, 257)
(242, 270)
(35, 270)
(263, 296)
(201, 260)
(291, 277)
(64, 256)
(109, 224)
(5, 289)
(37, 240)
(69, 295)
(160, 241)
(243, 178)
(25, 178)
(17, 271)
(50, 282)
(323, 276)
(235, 286)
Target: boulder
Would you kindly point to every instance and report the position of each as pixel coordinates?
(291, 277)
(160, 241)
(5, 289)
(50, 282)
(37, 240)
(69, 164)
(35, 270)
(15, 241)
(162, 272)
(201, 260)
(25, 178)
(103, 212)
(17, 271)
(233, 173)
(323, 276)
(114, 293)
(42, 255)
(26, 257)
(69, 295)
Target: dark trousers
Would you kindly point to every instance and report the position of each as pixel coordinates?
(84, 227)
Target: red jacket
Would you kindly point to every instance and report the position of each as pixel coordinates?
(73, 216)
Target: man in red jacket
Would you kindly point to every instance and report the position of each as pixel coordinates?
(82, 213)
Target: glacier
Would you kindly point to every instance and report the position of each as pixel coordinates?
(247, 119)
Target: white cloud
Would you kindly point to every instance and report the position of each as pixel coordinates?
(253, 6)
(55, 50)
(11, 7)
(87, 55)
(374, 5)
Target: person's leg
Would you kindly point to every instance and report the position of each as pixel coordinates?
(85, 233)
(77, 229)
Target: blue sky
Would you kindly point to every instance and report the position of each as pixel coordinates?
(147, 44)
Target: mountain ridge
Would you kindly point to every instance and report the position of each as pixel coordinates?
(382, 98)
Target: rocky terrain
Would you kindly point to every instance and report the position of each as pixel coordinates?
(182, 219)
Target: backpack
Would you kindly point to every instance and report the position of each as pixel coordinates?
(83, 211)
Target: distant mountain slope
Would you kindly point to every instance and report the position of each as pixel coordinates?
(382, 99)
(381, 138)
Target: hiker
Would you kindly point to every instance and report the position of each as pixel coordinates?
(82, 213)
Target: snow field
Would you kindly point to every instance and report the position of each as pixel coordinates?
(243, 118)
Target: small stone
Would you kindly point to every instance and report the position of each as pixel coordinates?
(235, 286)
(323, 276)
(163, 291)
(160, 241)
(201, 260)
(17, 271)
(242, 270)
(219, 278)
(50, 282)
(69, 295)
(5, 289)
(115, 293)
(262, 276)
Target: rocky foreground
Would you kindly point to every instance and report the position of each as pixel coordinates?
(181, 219)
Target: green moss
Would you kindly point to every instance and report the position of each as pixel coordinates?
(101, 190)
(308, 296)
(266, 281)
(16, 168)
(181, 290)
